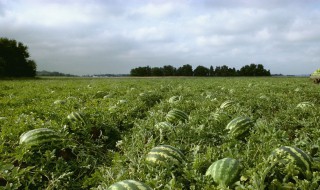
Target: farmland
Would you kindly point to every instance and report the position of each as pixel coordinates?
(106, 128)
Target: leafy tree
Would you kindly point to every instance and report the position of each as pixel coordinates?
(2, 66)
(169, 70)
(211, 71)
(185, 70)
(14, 59)
(141, 71)
(201, 71)
(254, 70)
(157, 71)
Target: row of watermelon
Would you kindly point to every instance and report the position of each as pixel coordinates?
(224, 171)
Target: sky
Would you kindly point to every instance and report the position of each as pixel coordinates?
(113, 36)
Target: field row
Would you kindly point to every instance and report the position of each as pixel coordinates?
(104, 131)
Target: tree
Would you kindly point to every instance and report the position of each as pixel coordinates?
(14, 59)
(141, 71)
(169, 70)
(156, 71)
(201, 71)
(254, 70)
(185, 70)
(211, 71)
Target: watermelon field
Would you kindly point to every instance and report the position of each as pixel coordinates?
(160, 133)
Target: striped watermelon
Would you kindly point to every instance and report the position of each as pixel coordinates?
(129, 185)
(165, 155)
(175, 115)
(59, 102)
(239, 127)
(226, 104)
(286, 154)
(164, 125)
(305, 105)
(122, 101)
(38, 136)
(174, 99)
(100, 94)
(76, 116)
(225, 171)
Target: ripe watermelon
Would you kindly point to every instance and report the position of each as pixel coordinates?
(129, 185)
(165, 155)
(100, 94)
(305, 105)
(164, 125)
(226, 104)
(38, 136)
(239, 127)
(175, 115)
(174, 99)
(59, 102)
(225, 171)
(286, 154)
(76, 116)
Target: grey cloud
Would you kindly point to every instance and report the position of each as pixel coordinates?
(115, 36)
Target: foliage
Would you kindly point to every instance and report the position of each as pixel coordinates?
(122, 120)
(186, 70)
(14, 59)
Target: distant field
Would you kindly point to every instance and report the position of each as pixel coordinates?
(102, 130)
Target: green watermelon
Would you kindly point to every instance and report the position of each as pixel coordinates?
(174, 99)
(286, 154)
(129, 185)
(38, 136)
(225, 171)
(164, 125)
(100, 94)
(59, 102)
(226, 104)
(122, 101)
(239, 127)
(164, 155)
(305, 105)
(175, 115)
(76, 116)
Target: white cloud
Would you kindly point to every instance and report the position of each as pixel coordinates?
(83, 37)
(158, 9)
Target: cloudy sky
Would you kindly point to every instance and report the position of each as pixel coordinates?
(114, 36)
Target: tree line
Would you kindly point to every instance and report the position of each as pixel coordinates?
(186, 70)
(14, 59)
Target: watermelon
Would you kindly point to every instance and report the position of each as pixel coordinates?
(129, 185)
(225, 171)
(165, 155)
(175, 115)
(286, 154)
(226, 104)
(100, 94)
(38, 136)
(164, 125)
(305, 105)
(76, 116)
(239, 127)
(174, 99)
(59, 102)
(122, 101)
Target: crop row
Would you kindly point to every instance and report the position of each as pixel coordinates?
(118, 126)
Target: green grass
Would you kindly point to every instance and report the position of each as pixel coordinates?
(119, 131)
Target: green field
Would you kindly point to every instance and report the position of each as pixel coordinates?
(118, 126)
